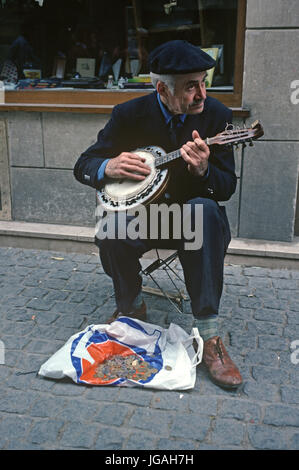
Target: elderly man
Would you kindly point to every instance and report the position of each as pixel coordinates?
(177, 115)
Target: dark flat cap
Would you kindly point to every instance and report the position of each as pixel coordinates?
(176, 57)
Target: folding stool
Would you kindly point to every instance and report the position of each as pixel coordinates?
(178, 298)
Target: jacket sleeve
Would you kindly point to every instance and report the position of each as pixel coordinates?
(109, 144)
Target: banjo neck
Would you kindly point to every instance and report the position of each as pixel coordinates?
(169, 157)
(230, 136)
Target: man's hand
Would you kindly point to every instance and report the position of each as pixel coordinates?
(196, 155)
(127, 165)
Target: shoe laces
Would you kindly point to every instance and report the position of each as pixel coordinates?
(219, 350)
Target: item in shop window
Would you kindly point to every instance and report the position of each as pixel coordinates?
(84, 83)
(110, 82)
(86, 67)
(32, 73)
(121, 82)
(116, 69)
(105, 66)
(9, 72)
(29, 83)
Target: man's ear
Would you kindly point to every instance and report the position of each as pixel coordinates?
(162, 89)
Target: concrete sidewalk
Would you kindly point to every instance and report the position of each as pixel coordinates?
(48, 296)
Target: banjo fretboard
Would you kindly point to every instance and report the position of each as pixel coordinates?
(169, 157)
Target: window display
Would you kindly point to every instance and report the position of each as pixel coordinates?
(80, 43)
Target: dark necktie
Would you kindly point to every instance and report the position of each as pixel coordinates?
(175, 127)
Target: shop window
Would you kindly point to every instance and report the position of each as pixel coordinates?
(80, 43)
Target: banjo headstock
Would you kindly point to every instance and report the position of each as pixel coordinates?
(235, 136)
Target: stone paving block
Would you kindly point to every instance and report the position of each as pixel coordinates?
(286, 360)
(267, 438)
(135, 396)
(288, 294)
(110, 439)
(29, 362)
(45, 431)
(194, 426)
(255, 271)
(294, 442)
(242, 410)
(79, 435)
(237, 280)
(260, 392)
(17, 328)
(281, 415)
(203, 405)
(176, 444)
(228, 432)
(40, 304)
(34, 292)
(285, 283)
(242, 313)
(112, 414)
(14, 343)
(173, 400)
(275, 303)
(294, 305)
(270, 315)
(19, 382)
(78, 410)
(250, 302)
(293, 318)
(43, 318)
(273, 342)
(290, 394)
(244, 341)
(259, 282)
(156, 420)
(13, 429)
(141, 441)
(56, 295)
(70, 321)
(291, 332)
(48, 406)
(264, 327)
(269, 375)
(17, 401)
(66, 387)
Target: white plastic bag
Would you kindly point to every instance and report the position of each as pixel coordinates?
(168, 355)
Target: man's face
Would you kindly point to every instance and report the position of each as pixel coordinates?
(189, 96)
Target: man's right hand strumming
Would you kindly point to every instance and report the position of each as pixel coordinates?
(127, 165)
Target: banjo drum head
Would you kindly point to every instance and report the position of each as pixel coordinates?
(121, 189)
(123, 194)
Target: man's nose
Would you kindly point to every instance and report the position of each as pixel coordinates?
(201, 92)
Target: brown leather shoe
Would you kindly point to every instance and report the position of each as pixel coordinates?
(221, 368)
(138, 313)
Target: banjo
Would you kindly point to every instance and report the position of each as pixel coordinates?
(121, 194)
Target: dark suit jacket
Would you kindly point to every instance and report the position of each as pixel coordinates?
(140, 122)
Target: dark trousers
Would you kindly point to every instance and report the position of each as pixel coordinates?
(203, 267)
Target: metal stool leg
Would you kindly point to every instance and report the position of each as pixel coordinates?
(180, 299)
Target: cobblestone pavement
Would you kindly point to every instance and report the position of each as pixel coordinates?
(46, 297)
